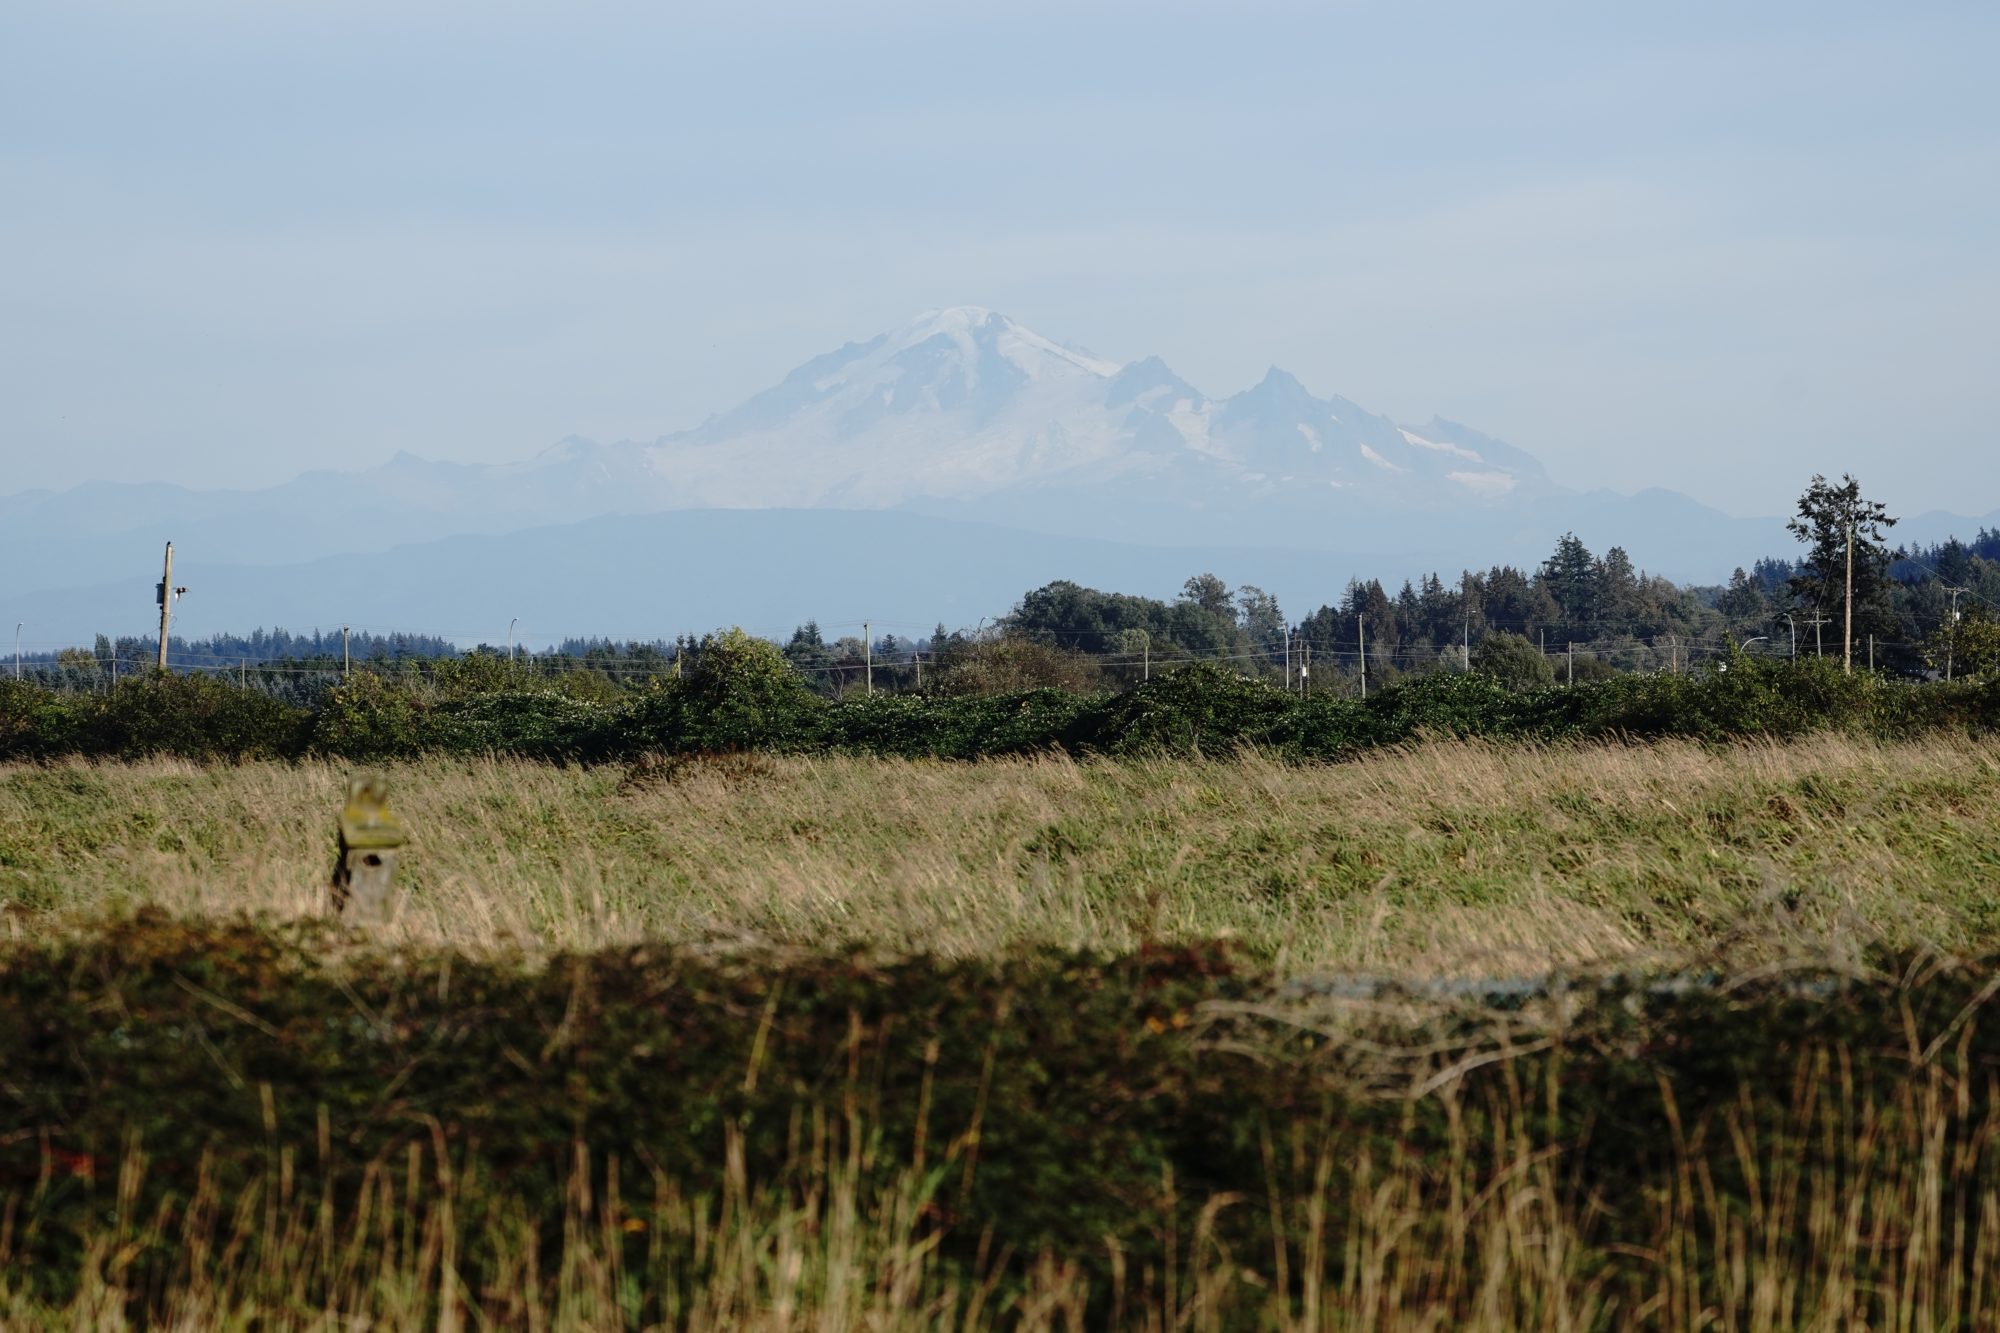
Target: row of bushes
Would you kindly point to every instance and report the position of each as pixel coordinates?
(1087, 1107)
(743, 696)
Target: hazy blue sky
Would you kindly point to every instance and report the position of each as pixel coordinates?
(1714, 246)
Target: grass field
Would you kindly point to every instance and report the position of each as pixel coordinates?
(1471, 858)
(494, 1113)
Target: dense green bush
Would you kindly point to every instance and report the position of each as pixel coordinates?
(36, 722)
(964, 727)
(739, 694)
(193, 717)
(1110, 1103)
(1201, 708)
(1514, 662)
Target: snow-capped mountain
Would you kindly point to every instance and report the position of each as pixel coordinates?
(961, 414)
(964, 403)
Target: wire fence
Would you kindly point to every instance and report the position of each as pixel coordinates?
(1306, 659)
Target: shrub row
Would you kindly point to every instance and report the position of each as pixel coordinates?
(1103, 1100)
(754, 702)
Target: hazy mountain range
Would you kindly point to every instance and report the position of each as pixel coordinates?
(939, 470)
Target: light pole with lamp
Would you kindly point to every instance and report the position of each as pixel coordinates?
(510, 637)
(1759, 638)
(17, 648)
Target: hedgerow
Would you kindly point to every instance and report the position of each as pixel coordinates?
(739, 695)
(1087, 1107)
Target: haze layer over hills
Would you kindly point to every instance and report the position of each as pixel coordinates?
(961, 415)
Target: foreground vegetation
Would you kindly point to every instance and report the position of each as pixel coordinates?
(210, 1127)
(1478, 858)
(838, 1040)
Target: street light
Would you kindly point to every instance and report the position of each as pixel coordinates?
(1761, 638)
(510, 637)
(17, 649)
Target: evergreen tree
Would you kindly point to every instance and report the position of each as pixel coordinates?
(1829, 518)
(1742, 602)
(1619, 603)
(1571, 577)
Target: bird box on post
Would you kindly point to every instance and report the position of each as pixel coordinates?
(371, 837)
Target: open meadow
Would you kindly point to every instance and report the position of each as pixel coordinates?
(1448, 858)
(848, 1042)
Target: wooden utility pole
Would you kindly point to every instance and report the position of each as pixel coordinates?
(1306, 668)
(868, 656)
(166, 593)
(1847, 629)
(918, 659)
(1819, 644)
(1361, 639)
(1288, 659)
(343, 655)
(1572, 663)
(1465, 604)
(1951, 633)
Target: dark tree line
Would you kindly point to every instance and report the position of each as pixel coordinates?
(1575, 616)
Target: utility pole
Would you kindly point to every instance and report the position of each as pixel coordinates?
(1465, 604)
(343, 654)
(918, 658)
(1871, 652)
(17, 648)
(242, 672)
(868, 656)
(1361, 638)
(1951, 633)
(1847, 628)
(1306, 669)
(1288, 659)
(1146, 655)
(167, 593)
(1819, 645)
(1571, 678)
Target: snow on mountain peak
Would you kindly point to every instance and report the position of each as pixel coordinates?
(962, 403)
(1439, 446)
(976, 330)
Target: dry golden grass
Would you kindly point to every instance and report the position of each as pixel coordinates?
(1864, 1214)
(1451, 857)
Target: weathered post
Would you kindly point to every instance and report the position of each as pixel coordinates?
(371, 837)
